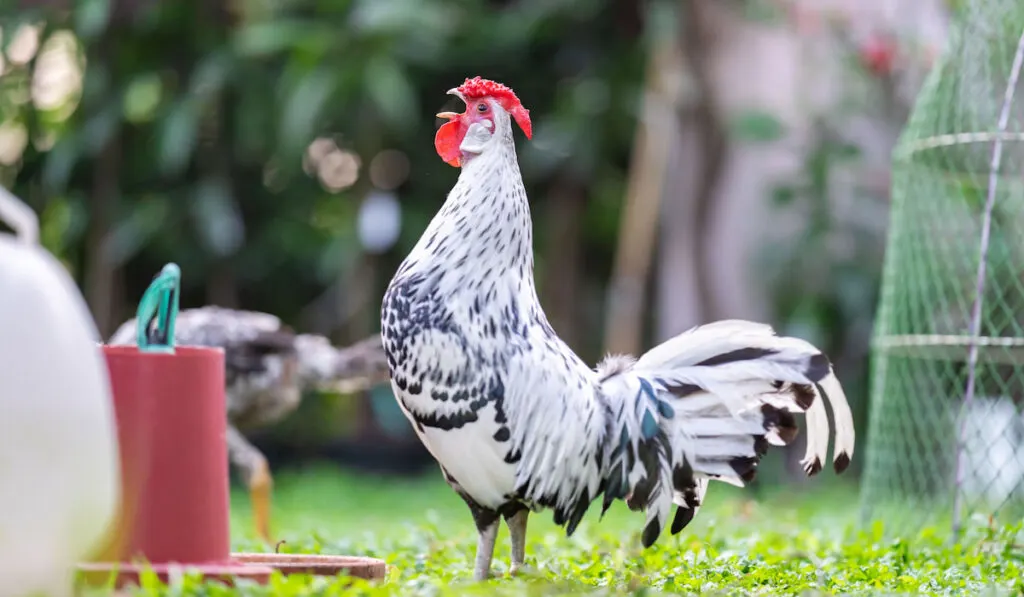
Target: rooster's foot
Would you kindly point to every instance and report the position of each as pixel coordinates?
(520, 570)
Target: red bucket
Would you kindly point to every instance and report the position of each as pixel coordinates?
(171, 414)
(172, 424)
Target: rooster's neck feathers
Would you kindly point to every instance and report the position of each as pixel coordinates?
(484, 227)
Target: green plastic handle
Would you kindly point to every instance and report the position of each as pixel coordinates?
(160, 303)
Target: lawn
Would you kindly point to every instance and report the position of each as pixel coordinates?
(798, 541)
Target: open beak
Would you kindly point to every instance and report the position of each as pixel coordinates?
(452, 115)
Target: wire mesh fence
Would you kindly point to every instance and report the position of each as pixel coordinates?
(946, 436)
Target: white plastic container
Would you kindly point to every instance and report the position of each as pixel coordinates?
(59, 466)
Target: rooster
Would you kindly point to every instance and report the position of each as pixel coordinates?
(519, 423)
(267, 367)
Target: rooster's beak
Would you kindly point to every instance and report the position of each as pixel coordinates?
(455, 91)
(452, 115)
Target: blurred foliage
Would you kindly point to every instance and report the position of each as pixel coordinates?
(239, 139)
(195, 120)
(196, 132)
(824, 279)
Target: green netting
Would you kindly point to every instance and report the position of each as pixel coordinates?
(946, 436)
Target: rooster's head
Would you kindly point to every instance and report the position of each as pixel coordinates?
(488, 106)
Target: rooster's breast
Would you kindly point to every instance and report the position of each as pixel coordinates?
(449, 380)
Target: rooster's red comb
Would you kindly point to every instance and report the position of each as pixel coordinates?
(478, 87)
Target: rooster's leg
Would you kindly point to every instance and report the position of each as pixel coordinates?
(260, 486)
(517, 530)
(257, 478)
(487, 522)
(485, 550)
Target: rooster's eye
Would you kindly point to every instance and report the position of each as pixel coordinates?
(482, 107)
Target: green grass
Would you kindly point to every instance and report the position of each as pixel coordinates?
(798, 540)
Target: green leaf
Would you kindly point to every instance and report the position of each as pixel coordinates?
(91, 17)
(273, 37)
(131, 234)
(142, 97)
(847, 151)
(764, 12)
(303, 107)
(389, 88)
(178, 135)
(211, 73)
(101, 126)
(757, 126)
(60, 160)
(217, 217)
(783, 195)
(54, 224)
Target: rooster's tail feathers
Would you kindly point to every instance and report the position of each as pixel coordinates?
(746, 358)
(845, 434)
(706, 405)
(687, 504)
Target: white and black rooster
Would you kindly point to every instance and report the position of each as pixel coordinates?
(518, 422)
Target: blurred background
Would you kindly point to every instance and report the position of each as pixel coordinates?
(692, 160)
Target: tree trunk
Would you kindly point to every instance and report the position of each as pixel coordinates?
(222, 288)
(648, 170)
(103, 197)
(365, 273)
(99, 273)
(709, 130)
(218, 153)
(563, 263)
(686, 287)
